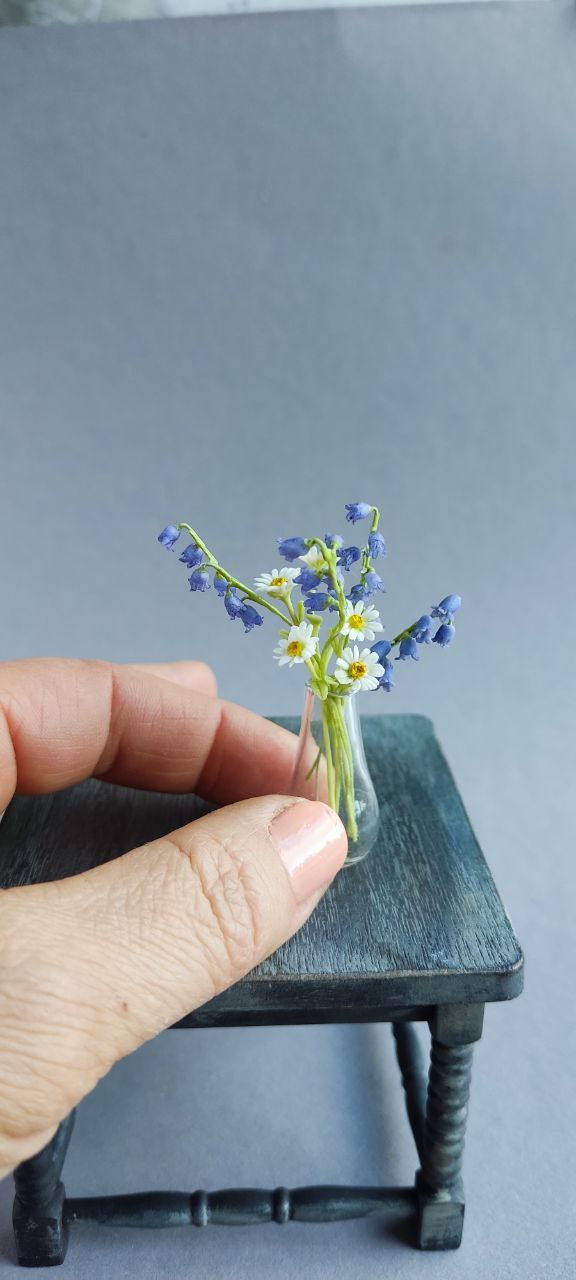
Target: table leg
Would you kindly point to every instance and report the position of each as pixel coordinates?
(39, 1218)
(438, 1181)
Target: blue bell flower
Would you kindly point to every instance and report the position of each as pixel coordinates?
(357, 511)
(408, 649)
(376, 545)
(191, 556)
(199, 580)
(169, 536)
(445, 634)
(291, 548)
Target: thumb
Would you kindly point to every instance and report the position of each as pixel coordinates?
(92, 966)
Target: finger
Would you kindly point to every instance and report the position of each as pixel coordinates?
(92, 966)
(191, 675)
(62, 720)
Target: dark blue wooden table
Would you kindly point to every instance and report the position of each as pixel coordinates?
(416, 932)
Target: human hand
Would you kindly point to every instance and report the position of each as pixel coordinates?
(94, 965)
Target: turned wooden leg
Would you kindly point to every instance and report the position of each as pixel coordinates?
(39, 1219)
(439, 1184)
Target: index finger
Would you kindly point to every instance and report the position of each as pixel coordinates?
(62, 720)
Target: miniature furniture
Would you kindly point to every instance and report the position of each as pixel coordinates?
(417, 932)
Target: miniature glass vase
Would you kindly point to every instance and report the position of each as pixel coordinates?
(331, 766)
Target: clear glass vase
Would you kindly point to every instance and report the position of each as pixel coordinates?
(331, 766)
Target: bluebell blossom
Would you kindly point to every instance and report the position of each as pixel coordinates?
(199, 580)
(386, 681)
(220, 584)
(250, 617)
(376, 545)
(382, 648)
(422, 630)
(359, 592)
(192, 555)
(316, 601)
(447, 606)
(233, 604)
(291, 548)
(169, 536)
(373, 583)
(307, 580)
(347, 556)
(333, 540)
(357, 511)
(444, 634)
(408, 649)
(368, 587)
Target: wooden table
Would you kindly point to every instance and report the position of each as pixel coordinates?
(416, 932)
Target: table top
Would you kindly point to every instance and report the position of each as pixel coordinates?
(418, 923)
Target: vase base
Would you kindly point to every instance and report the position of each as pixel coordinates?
(330, 765)
(359, 854)
(354, 859)
(360, 848)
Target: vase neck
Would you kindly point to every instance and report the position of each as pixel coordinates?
(334, 693)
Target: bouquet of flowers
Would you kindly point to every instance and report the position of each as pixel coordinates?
(332, 628)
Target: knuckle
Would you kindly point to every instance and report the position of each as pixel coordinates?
(207, 677)
(227, 904)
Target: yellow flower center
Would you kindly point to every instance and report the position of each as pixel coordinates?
(356, 620)
(356, 670)
(296, 648)
(278, 582)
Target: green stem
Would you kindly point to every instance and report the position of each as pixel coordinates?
(339, 762)
(328, 752)
(365, 562)
(235, 582)
(347, 770)
(314, 766)
(402, 634)
(336, 754)
(331, 645)
(293, 614)
(337, 775)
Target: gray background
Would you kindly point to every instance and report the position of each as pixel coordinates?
(252, 269)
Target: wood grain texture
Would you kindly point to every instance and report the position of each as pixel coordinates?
(418, 923)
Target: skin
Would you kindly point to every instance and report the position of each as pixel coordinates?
(94, 965)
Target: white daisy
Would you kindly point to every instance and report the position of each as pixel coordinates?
(315, 561)
(276, 583)
(362, 621)
(298, 646)
(360, 669)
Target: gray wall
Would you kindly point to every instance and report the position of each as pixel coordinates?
(29, 12)
(252, 269)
